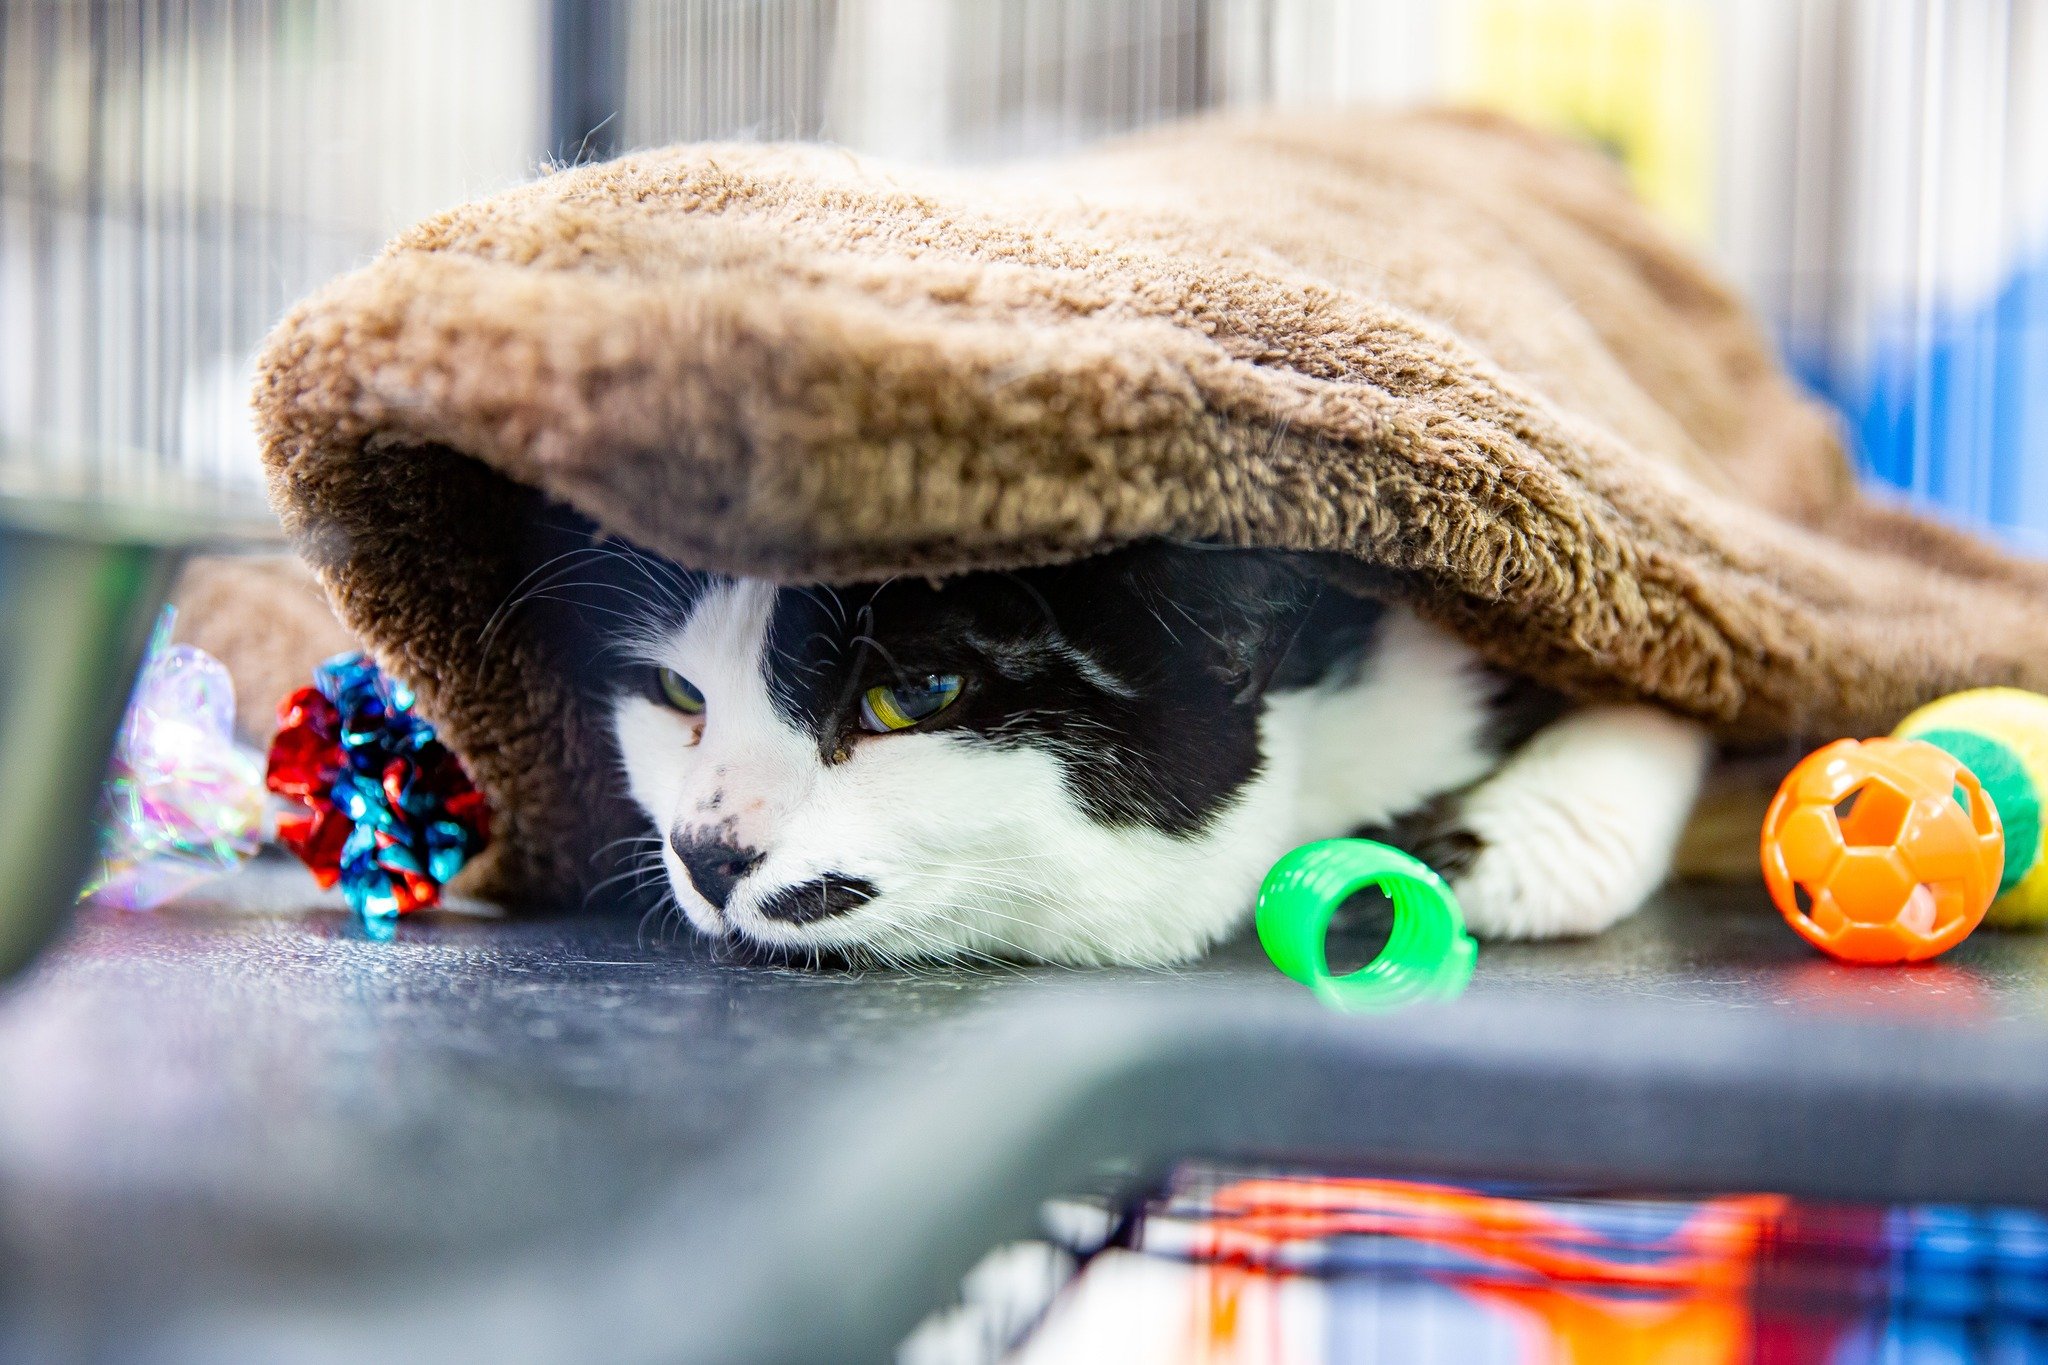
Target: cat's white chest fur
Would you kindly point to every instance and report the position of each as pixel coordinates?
(1407, 728)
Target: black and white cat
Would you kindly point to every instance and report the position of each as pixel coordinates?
(1097, 762)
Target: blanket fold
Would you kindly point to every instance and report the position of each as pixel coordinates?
(1450, 357)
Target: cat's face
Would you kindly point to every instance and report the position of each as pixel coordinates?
(1063, 764)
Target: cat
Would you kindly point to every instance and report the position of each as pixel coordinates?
(1097, 762)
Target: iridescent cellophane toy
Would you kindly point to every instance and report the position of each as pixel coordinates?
(184, 802)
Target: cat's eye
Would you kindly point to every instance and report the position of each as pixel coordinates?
(883, 709)
(674, 690)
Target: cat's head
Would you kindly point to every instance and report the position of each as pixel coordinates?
(1064, 764)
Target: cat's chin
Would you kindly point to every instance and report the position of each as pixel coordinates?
(938, 942)
(1151, 913)
(1131, 898)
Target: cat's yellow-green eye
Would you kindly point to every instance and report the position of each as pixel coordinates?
(675, 690)
(883, 709)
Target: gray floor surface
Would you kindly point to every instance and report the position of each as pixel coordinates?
(237, 1128)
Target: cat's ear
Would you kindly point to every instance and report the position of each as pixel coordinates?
(1238, 611)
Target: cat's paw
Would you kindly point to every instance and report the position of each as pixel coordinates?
(1502, 879)
(1433, 833)
(1523, 886)
(1577, 829)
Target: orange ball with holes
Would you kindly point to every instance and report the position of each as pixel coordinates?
(1885, 850)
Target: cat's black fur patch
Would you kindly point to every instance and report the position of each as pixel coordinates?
(1520, 707)
(820, 898)
(1334, 642)
(1433, 833)
(1143, 671)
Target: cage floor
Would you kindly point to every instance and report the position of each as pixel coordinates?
(237, 1129)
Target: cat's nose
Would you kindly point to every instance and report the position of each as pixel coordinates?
(714, 867)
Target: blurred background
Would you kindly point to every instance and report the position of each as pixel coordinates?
(173, 173)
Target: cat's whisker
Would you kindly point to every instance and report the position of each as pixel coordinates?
(1017, 948)
(624, 841)
(667, 907)
(966, 874)
(956, 878)
(639, 878)
(546, 578)
(949, 950)
(867, 641)
(828, 601)
(513, 596)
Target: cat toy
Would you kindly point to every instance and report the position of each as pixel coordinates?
(381, 807)
(387, 811)
(1428, 955)
(183, 802)
(1896, 849)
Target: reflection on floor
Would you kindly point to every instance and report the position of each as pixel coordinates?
(1248, 1266)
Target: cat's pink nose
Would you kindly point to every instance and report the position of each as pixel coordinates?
(714, 867)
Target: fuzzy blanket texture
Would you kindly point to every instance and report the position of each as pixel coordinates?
(1449, 356)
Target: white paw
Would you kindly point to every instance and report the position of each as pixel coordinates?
(1523, 889)
(1578, 828)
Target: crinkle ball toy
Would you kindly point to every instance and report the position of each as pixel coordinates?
(183, 802)
(389, 813)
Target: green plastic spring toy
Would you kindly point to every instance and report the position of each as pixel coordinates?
(1428, 955)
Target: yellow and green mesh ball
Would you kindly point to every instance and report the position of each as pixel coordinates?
(2001, 735)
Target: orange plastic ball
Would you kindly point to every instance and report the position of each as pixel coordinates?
(1882, 851)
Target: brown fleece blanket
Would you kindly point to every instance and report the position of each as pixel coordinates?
(1451, 355)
